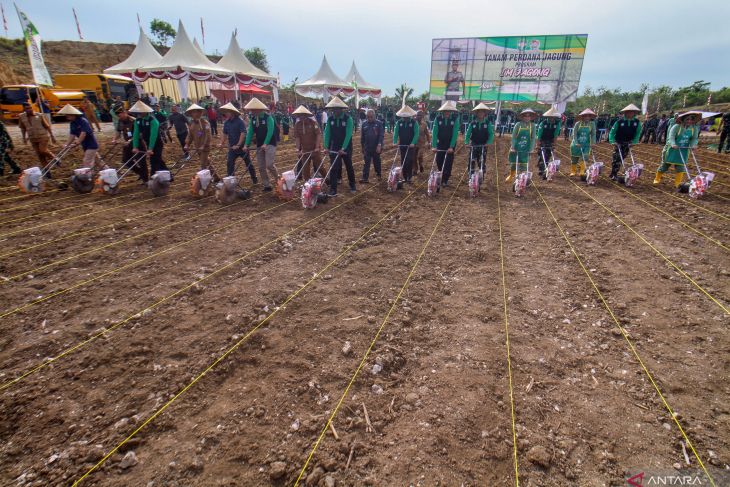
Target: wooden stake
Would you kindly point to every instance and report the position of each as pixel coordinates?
(334, 432)
(369, 425)
(349, 458)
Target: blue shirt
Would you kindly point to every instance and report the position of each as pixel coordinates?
(233, 128)
(76, 127)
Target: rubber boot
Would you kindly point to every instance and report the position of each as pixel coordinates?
(511, 176)
(582, 168)
(573, 169)
(678, 178)
(658, 177)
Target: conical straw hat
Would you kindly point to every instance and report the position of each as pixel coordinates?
(528, 111)
(631, 108)
(588, 112)
(481, 106)
(682, 115)
(302, 110)
(68, 110)
(255, 104)
(335, 102)
(551, 113)
(141, 107)
(194, 107)
(448, 106)
(406, 112)
(230, 107)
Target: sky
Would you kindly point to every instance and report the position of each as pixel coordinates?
(630, 42)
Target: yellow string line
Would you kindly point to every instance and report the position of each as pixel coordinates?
(96, 229)
(101, 200)
(377, 334)
(54, 211)
(625, 335)
(117, 242)
(685, 200)
(76, 234)
(170, 296)
(644, 151)
(139, 261)
(135, 262)
(506, 323)
(686, 225)
(83, 215)
(37, 203)
(257, 326)
(657, 251)
(29, 195)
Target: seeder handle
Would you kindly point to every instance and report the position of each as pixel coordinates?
(53, 162)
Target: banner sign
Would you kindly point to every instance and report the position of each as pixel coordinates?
(33, 43)
(544, 68)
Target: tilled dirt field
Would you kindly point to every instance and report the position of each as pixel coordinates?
(382, 312)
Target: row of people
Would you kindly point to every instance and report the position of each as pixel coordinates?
(141, 133)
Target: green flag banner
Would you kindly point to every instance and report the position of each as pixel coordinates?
(33, 43)
(544, 68)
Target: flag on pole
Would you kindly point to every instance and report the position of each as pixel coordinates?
(5, 20)
(33, 44)
(78, 27)
(139, 22)
(202, 30)
(645, 103)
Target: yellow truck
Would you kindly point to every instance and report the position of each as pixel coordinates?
(12, 98)
(100, 88)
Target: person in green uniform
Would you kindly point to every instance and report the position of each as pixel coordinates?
(405, 136)
(338, 142)
(523, 143)
(145, 138)
(263, 129)
(624, 133)
(584, 137)
(445, 133)
(682, 137)
(547, 131)
(479, 134)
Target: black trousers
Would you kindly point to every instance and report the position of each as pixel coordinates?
(725, 134)
(6, 159)
(213, 127)
(231, 163)
(336, 170)
(370, 155)
(181, 137)
(546, 152)
(156, 162)
(624, 149)
(140, 169)
(444, 161)
(478, 159)
(406, 160)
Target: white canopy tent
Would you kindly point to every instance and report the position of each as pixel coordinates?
(145, 54)
(364, 89)
(247, 75)
(324, 84)
(183, 62)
